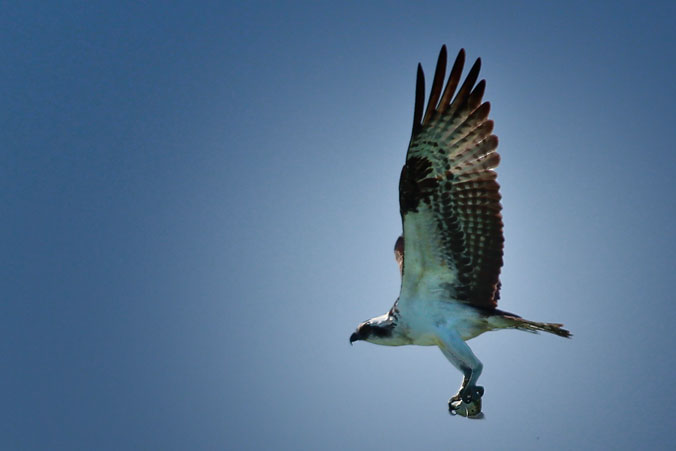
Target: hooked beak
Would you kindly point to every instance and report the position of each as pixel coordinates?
(354, 337)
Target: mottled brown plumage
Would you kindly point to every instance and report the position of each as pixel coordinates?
(450, 253)
(448, 186)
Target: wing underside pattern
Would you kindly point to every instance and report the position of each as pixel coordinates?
(448, 193)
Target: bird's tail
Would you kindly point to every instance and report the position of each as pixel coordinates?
(505, 320)
(535, 327)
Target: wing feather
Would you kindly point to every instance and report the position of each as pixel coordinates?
(453, 80)
(419, 100)
(448, 193)
(439, 75)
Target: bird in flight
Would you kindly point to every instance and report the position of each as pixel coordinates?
(450, 253)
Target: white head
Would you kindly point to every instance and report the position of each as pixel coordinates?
(380, 330)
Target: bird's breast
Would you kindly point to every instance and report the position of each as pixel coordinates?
(424, 319)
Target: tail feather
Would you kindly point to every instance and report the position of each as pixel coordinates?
(535, 327)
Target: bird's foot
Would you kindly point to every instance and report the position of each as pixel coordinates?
(467, 402)
(469, 410)
(470, 393)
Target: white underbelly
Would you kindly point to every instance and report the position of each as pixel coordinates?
(425, 319)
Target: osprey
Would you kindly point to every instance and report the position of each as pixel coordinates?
(450, 253)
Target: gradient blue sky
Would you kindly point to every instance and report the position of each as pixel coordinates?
(199, 204)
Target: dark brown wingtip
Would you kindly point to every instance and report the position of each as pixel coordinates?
(476, 95)
(473, 73)
(437, 84)
(419, 100)
(488, 105)
(453, 80)
(462, 97)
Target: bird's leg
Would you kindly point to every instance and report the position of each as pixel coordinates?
(461, 356)
(469, 391)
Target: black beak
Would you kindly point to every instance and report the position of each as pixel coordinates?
(354, 337)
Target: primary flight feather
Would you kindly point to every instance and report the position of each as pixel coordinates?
(450, 253)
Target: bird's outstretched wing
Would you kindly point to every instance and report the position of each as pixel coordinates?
(448, 193)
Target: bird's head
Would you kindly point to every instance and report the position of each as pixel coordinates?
(379, 330)
(363, 332)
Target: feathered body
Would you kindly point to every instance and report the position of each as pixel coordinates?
(450, 253)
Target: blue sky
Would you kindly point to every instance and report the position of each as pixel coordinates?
(200, 202)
